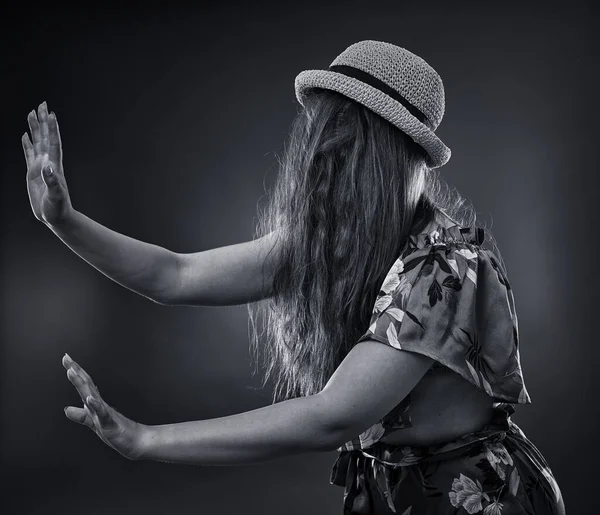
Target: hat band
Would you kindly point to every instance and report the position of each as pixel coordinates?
(367, 78)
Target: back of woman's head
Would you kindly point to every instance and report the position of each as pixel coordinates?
(351, 188)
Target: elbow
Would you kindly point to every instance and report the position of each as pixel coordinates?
(165, 297)
(323, 441)
(162, 300)
(334, 439)
(166, 289)
(334, 443)
(334, 433)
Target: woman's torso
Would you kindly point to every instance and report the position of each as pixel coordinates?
(443, 406)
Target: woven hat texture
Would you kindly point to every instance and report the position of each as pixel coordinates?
(407, 74)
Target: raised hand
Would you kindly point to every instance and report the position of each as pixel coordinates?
(46, 184)
(115, 430)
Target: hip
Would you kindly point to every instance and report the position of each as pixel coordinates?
(494, 471)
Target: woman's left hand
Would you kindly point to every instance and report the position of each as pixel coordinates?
(115, 430)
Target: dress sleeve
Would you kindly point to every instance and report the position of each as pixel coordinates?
(453, 302)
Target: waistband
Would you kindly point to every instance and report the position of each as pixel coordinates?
(350, 467)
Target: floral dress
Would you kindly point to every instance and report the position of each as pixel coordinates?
(449, 298)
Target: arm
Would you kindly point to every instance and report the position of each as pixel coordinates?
(293, 426)
(230, 275)
(144, 268)
(227, 275)
(282, 429)
(372, 379)
(368, 384)
(222, 276)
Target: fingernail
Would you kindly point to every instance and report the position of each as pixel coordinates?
(68, 357)
(65, 409)
(48, 171)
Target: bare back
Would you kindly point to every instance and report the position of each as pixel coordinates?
(444, 406)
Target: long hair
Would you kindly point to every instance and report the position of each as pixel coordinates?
(351, 188)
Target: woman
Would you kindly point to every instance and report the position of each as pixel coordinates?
(390, 331)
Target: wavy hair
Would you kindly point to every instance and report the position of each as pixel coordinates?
(351, 187)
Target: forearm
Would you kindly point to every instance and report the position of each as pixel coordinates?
(290, 427)
(142, 267)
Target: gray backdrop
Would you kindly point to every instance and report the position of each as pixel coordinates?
(170, 122)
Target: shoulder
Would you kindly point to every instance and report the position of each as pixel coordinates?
(446, 263)
(448, 246)
(444, 245)
(440, 236)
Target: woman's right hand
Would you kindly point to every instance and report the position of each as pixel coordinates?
(46, 184)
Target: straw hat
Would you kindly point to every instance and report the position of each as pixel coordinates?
(392, 82)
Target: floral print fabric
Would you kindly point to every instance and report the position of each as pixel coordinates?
(494, 471)
(449, 298)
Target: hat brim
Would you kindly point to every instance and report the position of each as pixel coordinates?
(385, 106)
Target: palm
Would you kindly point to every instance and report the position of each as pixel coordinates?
(36, 188)
(116, 431)
(113, 428)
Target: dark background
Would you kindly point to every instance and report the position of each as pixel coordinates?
(171, 119)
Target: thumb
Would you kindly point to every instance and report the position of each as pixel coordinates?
(50, 179)
(99, 409)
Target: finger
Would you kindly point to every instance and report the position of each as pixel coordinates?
(54, 143)
(34, 127)
(43, 120)
(80, 378)
(79, 415)
(82, 387)
(28, 149)
(69, 362)
(101, 410)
